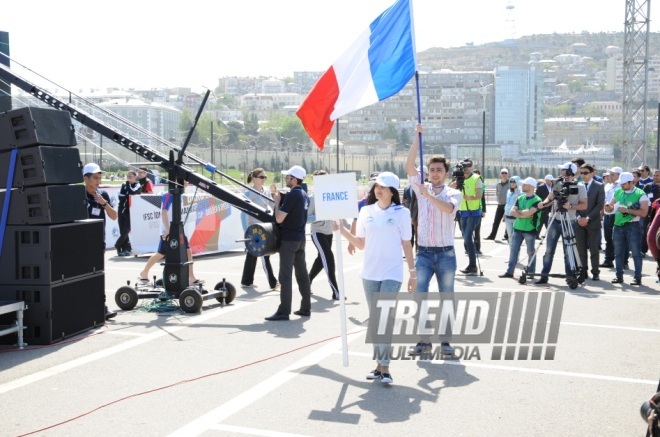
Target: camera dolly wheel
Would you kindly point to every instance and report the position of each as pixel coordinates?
(523, 278)
(126, 298)
(572, 282)
(191, 300)
(229, 292)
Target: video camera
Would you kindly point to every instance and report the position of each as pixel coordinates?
(648, 407)
(458, 174)
(562, 189)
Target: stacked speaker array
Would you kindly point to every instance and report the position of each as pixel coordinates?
(52, 256)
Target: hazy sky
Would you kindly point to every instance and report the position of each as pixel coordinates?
(145, 43)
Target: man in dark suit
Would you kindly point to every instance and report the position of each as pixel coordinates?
(587, 231)
(542, 191)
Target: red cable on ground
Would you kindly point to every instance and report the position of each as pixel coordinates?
(185, 381)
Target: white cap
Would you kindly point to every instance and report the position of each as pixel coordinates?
(616, 170)
(371, 183)
(297, 172)
(426, 169)
(504, 170)
(92, 168)
(569, 166)
(607, 173)
(549, 177)
(529, 181)
(625, 177)
(388, 179)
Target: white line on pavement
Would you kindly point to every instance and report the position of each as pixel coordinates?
(528, 370)
(252, 431)
(193, 320)
(227, 409)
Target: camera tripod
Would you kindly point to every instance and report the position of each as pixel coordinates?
(575, 274)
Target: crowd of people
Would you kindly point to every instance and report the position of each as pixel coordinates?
(581, 206)
(616, 213)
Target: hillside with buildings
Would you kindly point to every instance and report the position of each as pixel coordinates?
(510, 103)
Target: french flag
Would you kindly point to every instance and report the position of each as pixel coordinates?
(378, 65)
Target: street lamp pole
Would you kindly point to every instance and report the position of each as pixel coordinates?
(483, 140)
(212, 151)
(657, 144)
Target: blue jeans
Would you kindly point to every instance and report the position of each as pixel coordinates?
(515, 241)
(370, 290)
(509, 227)
(608, 229)
(468, 225)
(627, 238)
(442, 264)
(552, 238)
(430, 261)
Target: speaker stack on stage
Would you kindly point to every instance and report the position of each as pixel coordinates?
(52, 255)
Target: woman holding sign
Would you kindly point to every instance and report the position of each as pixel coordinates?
(258, 178)
(383, 228)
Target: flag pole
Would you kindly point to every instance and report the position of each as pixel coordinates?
(337, 124)
(419, 120)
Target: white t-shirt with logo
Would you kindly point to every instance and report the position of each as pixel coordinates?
(383, 231)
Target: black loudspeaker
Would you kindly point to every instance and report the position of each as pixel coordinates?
(43, 255)
(34, 126)
(46, 205)
(43, 165)
(56, 311)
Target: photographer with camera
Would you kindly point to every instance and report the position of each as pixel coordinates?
(567, 197)
(629, 204)
(650, 412)
(471, 186)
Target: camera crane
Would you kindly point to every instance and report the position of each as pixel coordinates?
(175, 274)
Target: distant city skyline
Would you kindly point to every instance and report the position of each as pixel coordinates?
(194, 43)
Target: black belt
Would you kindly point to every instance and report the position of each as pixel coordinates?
(435, 249)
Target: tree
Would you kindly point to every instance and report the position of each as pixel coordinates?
(185, 123)
(251, 124)
(403, 140)
(389, 133)
(235, 130)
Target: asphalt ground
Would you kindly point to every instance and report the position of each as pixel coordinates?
(228, 372)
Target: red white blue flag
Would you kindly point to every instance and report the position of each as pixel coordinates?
(378, 65)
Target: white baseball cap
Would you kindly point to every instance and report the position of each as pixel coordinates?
(625, 177)
(297, 172)
(92, 168)
(388, 179)
(529, 181)
(504, 170)
(426, 169)
(549, 177)
(618, 170)
(569, 166)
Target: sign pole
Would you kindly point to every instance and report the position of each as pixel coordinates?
(342, 299)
